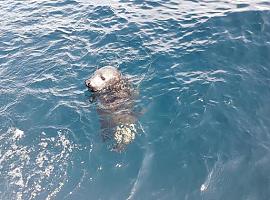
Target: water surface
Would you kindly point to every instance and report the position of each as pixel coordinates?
(203, 70)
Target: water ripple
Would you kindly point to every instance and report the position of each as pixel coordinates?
(202, 69)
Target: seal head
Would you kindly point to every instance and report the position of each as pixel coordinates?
(103, 78)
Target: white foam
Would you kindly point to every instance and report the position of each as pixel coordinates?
(43, 144)
(18, 134)
(29, 167)
(203, 187)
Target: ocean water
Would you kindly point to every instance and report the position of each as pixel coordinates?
(203, 71)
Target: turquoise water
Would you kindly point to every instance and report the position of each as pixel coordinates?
(203, 70)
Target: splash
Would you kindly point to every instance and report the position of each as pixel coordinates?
(27, 172)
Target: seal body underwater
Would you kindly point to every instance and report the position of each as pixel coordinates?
(115, 101)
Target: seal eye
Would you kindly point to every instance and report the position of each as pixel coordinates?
(102, 77)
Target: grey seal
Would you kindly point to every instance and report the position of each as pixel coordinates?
(115, 97)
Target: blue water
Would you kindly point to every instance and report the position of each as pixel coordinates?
(203, 71)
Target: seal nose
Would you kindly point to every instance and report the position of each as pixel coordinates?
(87, 83)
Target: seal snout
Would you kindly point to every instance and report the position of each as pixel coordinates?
(88, 83)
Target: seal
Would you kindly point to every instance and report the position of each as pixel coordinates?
(115, 100)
